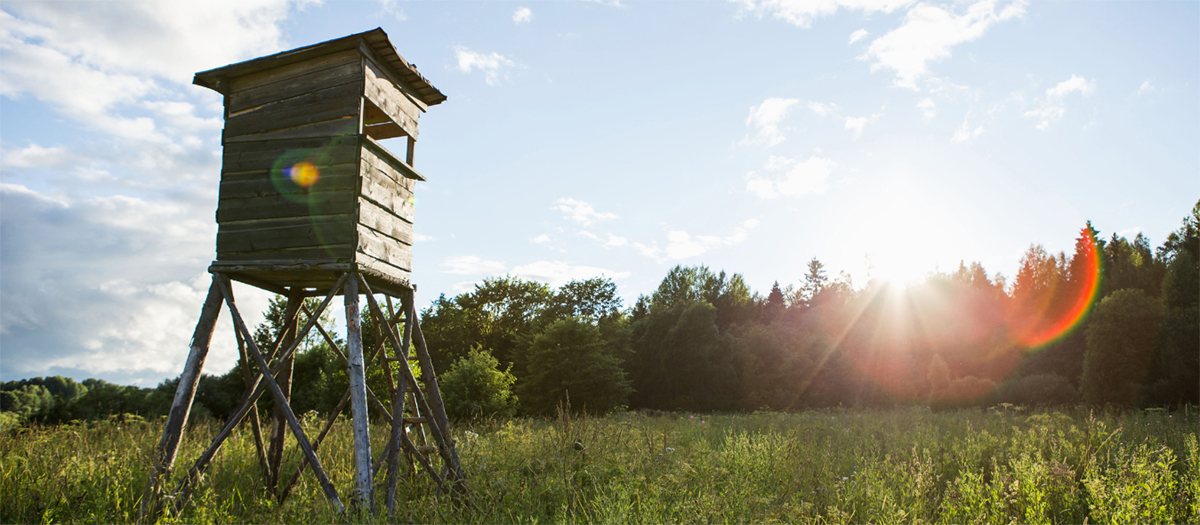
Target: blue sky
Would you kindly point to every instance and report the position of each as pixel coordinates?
(887, 138)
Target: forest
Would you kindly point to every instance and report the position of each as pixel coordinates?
(1114, 323)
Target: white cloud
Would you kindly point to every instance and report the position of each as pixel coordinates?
(928, 110)
(765, 119)
(34, 156)
(389, 7)
(681, 244)
(856, 125)
(858, 35)
(494, 66)
(1053, 107)
(582, 212)
(423, 238)
(823, 109)
(929, 32)
(965, 133)
(471, 265)
(615, 241)
(106, 286)
(1146, 87)
(804, 178)
(540, 239)
(522, 15)
(802, 12)
(558, 273)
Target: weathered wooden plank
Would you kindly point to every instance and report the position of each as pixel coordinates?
(385, 222)
(326, 254)
(389, 158)
(384, 248)
(261, 155)
(388, 98)
(273, 206)
(384, 193)
(317, 106)
(289, 71)
(363, 494)
(327, 129)
(248, 185)
(259, 224)
(246, 98)
(378, 54)
(297, 236)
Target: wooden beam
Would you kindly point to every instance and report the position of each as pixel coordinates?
(364, 490)
(284, 378)
(280, 399)
(183, 492)
(185, 393)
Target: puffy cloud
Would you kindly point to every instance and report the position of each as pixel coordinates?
(823, 109)
(928, 110)
(802, 12)
(471, 265)
(494, 66)
(105, 286)
(802, 178)
(856, 125)
(522, 15)
(1146, 87)
(928, 34)
(582, 212)
(681, 244)
(540, 239)
(558, 273)
(1053, 107)
(858, 35)
(765, 119)
(965, 133)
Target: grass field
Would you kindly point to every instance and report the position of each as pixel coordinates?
(892, 466)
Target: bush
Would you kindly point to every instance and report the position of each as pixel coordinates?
(1038, 390)
(475, 386)
(571, 356)
(1121, 339)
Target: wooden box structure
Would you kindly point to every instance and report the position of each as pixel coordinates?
(312, 204)
(307, 190)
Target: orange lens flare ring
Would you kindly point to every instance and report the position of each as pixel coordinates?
(303, 174)
(1081, 303)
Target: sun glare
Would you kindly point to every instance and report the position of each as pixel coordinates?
(903, 233)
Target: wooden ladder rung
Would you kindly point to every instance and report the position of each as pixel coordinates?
(425, 449)
(415, 420)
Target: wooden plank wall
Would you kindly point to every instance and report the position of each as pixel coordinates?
(386, 213)
(307, 111)
(259, 222)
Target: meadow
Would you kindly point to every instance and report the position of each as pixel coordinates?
(904, 465)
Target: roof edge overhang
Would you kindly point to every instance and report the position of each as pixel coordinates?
(376, 40)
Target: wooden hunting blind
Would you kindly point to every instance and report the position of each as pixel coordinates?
(307, 190)
(312, 204)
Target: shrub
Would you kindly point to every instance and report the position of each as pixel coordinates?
(1038, 389)
(571, 356)
(475, 386)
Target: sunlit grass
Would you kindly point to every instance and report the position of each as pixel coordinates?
(897, 466)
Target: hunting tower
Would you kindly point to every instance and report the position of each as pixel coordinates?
(312, 204)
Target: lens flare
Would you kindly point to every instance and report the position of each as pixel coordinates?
(303, 174)
(1084, 296)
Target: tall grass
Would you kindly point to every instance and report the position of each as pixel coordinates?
(886, 466)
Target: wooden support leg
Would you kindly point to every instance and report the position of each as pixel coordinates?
(284, 378)
(247, 404)
(439, 427)
(363, 484)
(254, 423)
(185, 393)
(268, 377)
(399, 395)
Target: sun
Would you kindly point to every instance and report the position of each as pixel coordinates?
(903, 233)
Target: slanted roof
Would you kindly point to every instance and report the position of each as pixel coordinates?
(375, 40)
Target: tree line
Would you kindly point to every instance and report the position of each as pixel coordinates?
(1116, 322)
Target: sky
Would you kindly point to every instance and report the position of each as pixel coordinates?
(886, 138)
